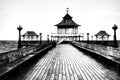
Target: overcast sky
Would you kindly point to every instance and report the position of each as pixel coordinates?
(42, 15)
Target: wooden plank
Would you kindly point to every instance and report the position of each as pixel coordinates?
(68, 63)
(52, 77)
(60, 77)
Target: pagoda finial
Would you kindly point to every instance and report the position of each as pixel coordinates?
(67, 10)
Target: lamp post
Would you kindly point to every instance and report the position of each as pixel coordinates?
(88, 37)
(19, 40)
(40, 38)
(115, 39)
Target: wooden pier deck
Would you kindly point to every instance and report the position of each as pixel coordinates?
(65, 62)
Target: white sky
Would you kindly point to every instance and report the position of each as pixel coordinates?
(42, 15)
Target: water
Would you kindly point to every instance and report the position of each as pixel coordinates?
(7, 45)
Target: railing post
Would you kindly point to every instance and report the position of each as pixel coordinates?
(87, 37)
(40, 38)
(19, 40)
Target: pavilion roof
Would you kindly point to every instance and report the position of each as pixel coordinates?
(30, 33)
(102, 33)
(67, 21)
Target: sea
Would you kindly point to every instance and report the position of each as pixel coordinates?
(7, 45)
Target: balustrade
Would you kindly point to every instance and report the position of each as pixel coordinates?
(14, 55)
(105, 50)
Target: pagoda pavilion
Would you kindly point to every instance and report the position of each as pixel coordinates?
(67, 29)
(30, 36)
(102, 35)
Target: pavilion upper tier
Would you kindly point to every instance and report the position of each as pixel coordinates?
(67, 22)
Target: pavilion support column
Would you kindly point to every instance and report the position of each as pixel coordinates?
(74, 30)
(23, 38)
(79, 38)
(72, 38)
(75, 33)
(107, 38)
(96, 38)
(102, 38)
(51, 38)
(77, 29)
(31, 38)
(65, 30)
(75, 38)
(62, 31)
(58, 30)
(69, 38)
(37, 38)
(54, 38)
(57, 38)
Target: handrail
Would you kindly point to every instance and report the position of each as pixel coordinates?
(11, 56)
(105, 50)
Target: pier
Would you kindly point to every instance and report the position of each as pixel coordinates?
(66, 56)
(63, 62)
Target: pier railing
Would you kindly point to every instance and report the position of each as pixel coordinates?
(11, 56)
(105, 50)
(67, 34)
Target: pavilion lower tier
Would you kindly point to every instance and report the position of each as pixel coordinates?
(67, 37)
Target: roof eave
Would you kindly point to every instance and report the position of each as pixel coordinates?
(67, 25)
